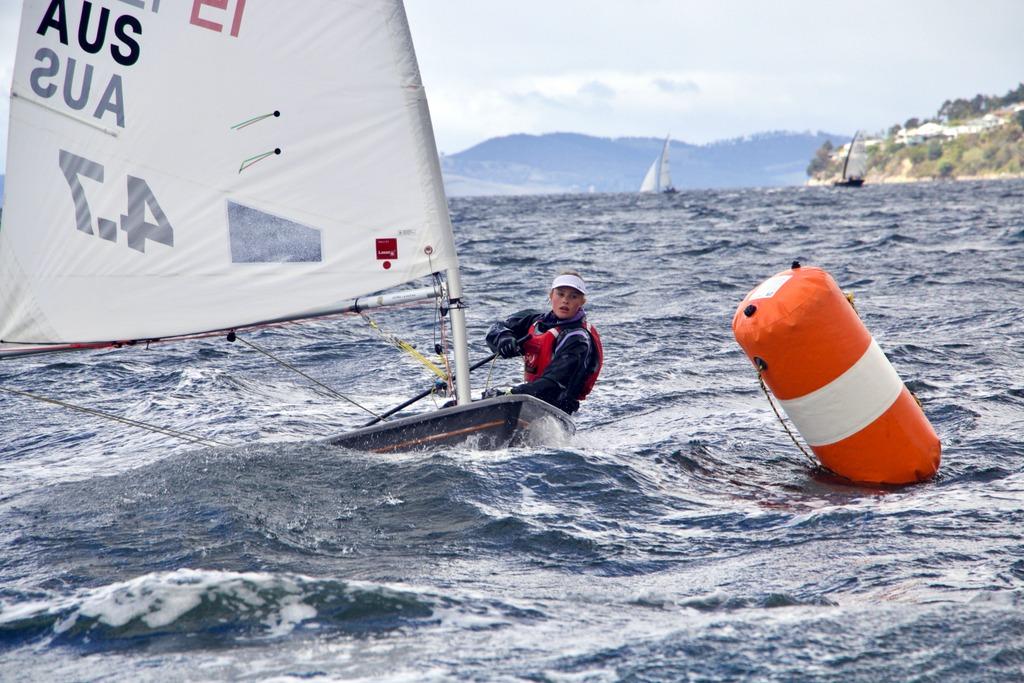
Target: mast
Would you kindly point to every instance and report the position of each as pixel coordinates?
(458, 313)
(430, 160)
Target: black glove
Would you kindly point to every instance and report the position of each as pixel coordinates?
(495, 391)
(507, 347)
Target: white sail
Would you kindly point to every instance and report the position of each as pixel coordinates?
(658, 177)
(665, 177)
(650, 182)
(856, 163)
(177, 167)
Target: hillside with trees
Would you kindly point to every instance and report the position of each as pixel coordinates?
(982, 137)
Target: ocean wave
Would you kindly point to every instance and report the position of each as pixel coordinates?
(190, 608)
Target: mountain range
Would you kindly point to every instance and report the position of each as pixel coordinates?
(571, 162)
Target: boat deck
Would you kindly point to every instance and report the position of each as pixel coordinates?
(488, 424)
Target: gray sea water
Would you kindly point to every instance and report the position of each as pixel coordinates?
(680, 535)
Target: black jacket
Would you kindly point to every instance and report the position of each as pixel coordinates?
(561, 381)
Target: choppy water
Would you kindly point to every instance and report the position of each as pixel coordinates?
(679, 536)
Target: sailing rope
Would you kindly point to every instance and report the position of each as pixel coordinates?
(204, 441)
(405, 346)
(490, 371)
(810, 459)
(442, 347)
(259, 157)
(442, 351)
(249, 122)
(311, 379)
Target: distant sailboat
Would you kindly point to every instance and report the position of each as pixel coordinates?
(658, 177)
(855, 164)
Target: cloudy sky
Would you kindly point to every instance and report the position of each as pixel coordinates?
(701, 70)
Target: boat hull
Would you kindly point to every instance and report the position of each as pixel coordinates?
(851, 182)
(488, 424)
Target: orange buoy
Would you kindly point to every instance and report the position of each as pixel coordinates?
(833, 381)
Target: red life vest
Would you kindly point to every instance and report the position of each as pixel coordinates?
(540, 347)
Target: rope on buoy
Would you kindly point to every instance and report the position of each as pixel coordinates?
(810, 458)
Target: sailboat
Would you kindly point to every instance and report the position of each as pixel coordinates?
(855, 164)
(178, 170)
(658, 177)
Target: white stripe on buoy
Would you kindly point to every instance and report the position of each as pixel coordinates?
(849, 403)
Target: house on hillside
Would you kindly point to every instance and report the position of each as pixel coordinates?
(925, 133)
(937, 132)
(840, 153)
(976, 126)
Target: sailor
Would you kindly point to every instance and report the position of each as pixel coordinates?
(561, 351)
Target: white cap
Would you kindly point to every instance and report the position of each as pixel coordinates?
(567, 280)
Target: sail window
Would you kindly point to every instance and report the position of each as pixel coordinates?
(259, 237)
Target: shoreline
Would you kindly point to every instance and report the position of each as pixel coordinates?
(903, 180)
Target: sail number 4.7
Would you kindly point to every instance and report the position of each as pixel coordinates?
(133, 221)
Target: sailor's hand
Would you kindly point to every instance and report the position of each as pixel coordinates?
(496, 391)
(507, 347)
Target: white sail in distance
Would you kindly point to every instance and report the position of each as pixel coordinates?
(856, 164)
(658, 177)
(650, 181)
(176, 167)
(664, 175)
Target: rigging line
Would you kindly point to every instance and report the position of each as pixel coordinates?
(259, 157)
(439, 298)
(202, 440)
(243, 124)
(404, 346)
(439, 317)
(490, 371)
(444, 357)
(445, 386)
(442, 348)
(300, 372)
(76, 119)
(810, 459)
